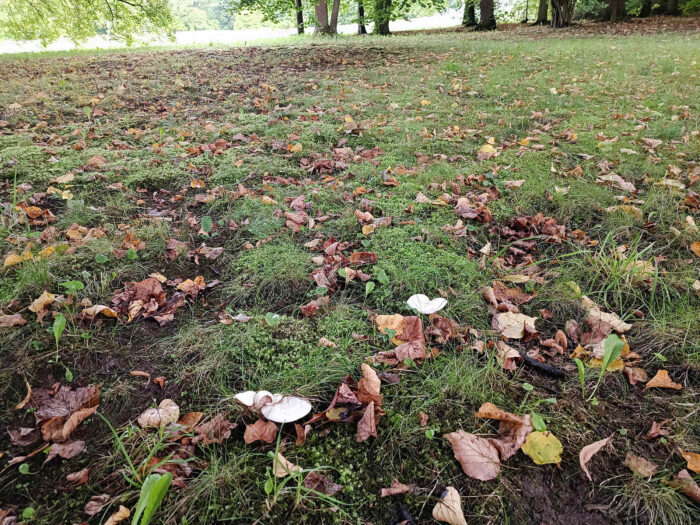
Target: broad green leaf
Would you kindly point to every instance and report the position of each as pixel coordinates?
(152, 493)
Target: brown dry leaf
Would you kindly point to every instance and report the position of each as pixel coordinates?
(66, 450)
(8, 321)
(214, 431)
(397, 488)
(506, 356)
(94, 311)
(588, 452)
(40, 305)
(685, 484)
(60, 428)
(327, 343)
(368, 387)
(449, 508)
(636, 375)
(261, 430)
(96, 504)
(122, 514)
(693, 460)
(190, 419)
(512, 431)
(422, 419)
(166, 413)
(367, 426)
(79, 478)
(321, 483)
(641, 466)
(514, 325)
(478, 457)
(658, 429)
(24, 436)
(283, 467)
(662, 380)
(695, 248)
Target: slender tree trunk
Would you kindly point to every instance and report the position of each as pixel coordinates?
(469, 17)
(615, 11)
(542, 11)
(672, 7)
(361, 29)
(562, 11)
(646, 9)
(382, 15)
(321, 12)
(300, 18)
(487, 19)
(334, 16)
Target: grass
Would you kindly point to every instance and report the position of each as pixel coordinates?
(429, 102)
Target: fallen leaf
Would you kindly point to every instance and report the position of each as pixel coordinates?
(685, 484)
(693, 460)
(658, 429)
(96, 504)
(166, 413)
(216, 430)
(478, 457)
(8, 321)
(79, 478)
(122, 514)
(588, 452)
(367, 426)
(514, 325)
(543, 448)
(635, 374)
(422, 419)
(397, 488)
(695, 248)
(512, 431)
(284, 467)
(314, 480)
(67, 450)
(449, 508)
(261, 430)
(640, 466)
(662, 380)
(368, 387)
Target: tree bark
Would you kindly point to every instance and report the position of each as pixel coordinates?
(469, 17)
(646, 9)
(322, 25)
(542, 12)
(334, 16)
(300, 18)
(361, 29)
(562, 11)
(382, 15)
(672, 7)
(487, 19)
(615, 11)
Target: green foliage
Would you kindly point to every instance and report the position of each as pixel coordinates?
(152, 493)
(48, 20)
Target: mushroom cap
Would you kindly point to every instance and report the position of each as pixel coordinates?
(246, 398)
(425, 305)
(286, 409)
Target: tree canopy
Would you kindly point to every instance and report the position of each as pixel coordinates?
(47, 20)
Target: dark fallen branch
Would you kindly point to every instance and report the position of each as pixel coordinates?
(549, 370)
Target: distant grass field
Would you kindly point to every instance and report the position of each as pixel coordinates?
(560, 112)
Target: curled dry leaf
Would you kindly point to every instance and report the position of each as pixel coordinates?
(122, 514)
(214, 431)
(693, 460)
(368, 387)
(166, 413)
(662, 380)
(685, 484)
(588, 452)
(658, 429)
(314, 480)
(478, 457)
(636, 375)
(367, 426)
(422, 419)
(79, 478)
(397, 488)
(640, 466)
(7, 321)
(512, 431)
(513, 325)
(96, 504)
(261, 430)
(506, 356)
(449, 508)
(283, 467)
(543, 448)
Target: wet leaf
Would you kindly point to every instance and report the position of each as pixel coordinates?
(449, 508)
(284, 467)
(640, 466)
(478, 457)
(261, 430)
(662, 380)
(588, 452)
(543, 448)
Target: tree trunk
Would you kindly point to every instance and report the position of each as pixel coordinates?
(361, 29)
(469, 17)
(646, 9)
(615, 11)
(300, 18)
(321, 12)
(334, 16)
(562, 11)
(672, 7)
(487, 19)
(542, 12)
(382, 15)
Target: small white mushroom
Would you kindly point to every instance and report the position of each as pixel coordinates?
(286, 409)
(425, 305)
(246, 398)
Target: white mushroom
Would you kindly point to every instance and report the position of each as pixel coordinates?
(278, 408)
(286, 409)
(425, 305)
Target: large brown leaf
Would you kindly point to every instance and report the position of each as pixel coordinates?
(368, 387)
(261, 430)
(367, 426)
(512, 431)
(478, 456)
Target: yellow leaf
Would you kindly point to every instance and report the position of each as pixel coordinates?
(543, 448)
(525, 142)
(487, 149)
(367, 229)
(296, 148)
(424, 102)
(267, 200)
(348, 119)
